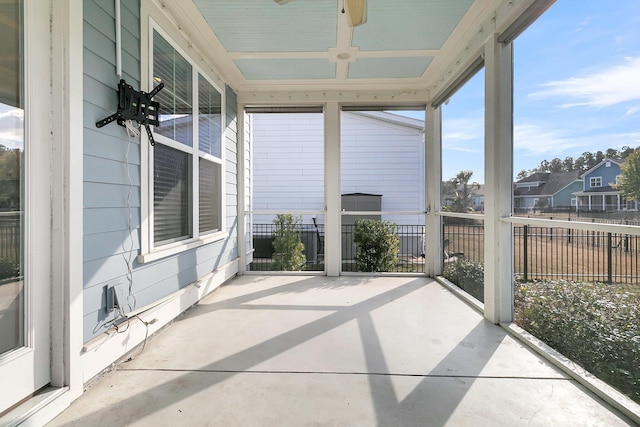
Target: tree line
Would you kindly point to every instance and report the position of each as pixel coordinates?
(582, 163)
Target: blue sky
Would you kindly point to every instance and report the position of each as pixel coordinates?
(576, 89)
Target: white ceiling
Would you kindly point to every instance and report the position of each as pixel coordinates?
(301, 40)
(308, 44)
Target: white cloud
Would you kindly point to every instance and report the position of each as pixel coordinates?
(11, 128)
(465, 135)
(544, 142)
(533, 139)
(610, 86)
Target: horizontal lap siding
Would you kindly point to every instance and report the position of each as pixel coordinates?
(112, 181)
(111, 159)
(377, 157)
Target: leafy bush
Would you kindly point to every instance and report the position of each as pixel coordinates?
(9, 268)
(289, 250)
(467, 275)
(594, 324)
(377, 245)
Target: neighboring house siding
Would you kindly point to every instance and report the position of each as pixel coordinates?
(608, 175)
(377, 156)
(109, 199)
(564, 196)
(288, 158)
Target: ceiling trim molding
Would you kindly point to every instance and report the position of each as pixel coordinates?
(500, 17)
(353, 97)
(188, 20)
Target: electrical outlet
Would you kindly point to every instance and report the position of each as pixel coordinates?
(115, 297)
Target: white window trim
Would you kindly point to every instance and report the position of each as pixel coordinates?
(592, 180)
(149, 252)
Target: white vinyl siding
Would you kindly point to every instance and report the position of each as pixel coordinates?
(377, 156)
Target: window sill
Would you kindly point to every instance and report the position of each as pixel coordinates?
(179, 247)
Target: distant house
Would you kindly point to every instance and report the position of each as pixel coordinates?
(546, 190)
(597, 194)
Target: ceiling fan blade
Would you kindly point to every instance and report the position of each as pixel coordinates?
(356, 12)
(282, 1)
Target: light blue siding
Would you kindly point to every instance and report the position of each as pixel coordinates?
(112, 182)
(608, 175)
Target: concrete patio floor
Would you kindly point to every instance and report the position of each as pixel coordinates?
(347, 351)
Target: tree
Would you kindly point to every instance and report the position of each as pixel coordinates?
(377, 244)
(288, 249)
(459, 188)
(589, 160)
(612, 153)
(626, 151)
(568, 164)
(10, 164)
(522, 174)
(629, 182)
(555, 165)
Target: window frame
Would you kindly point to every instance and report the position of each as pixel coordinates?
(595, 179)
(151, 250)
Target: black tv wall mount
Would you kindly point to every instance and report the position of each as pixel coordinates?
(137, 106)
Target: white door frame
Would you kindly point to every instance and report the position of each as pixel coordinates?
(53, 40)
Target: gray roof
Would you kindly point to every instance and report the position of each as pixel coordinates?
(553, 182)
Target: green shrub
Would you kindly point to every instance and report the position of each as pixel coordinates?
(377, 245)
(9, 268)
(467, 275)
(596, 325)
(289, 250)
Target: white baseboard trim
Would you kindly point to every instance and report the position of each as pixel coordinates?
(102, 352)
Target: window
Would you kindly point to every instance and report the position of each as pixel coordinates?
(187, 158)
(595, 181)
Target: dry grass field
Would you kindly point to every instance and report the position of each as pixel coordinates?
(558, 253)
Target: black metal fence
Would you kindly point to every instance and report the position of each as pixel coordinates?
(9, 245)
(544, 253)
(580, 255)
(410, 254)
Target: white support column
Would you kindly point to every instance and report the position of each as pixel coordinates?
(433, 175)
(333, 202)
(498, 246)
(242, 183)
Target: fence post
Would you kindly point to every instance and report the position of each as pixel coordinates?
(525, 256)
(609, 267)
(569, 234)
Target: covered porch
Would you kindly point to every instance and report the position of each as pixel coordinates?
(140, 306)
(311, 350)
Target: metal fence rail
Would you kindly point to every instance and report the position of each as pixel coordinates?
(410, 254)
(10, 236)
(543, 253)
(546, 253)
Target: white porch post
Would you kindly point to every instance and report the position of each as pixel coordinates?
(242, 196)
(498, 287)
(333, 220)
(433, 175)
